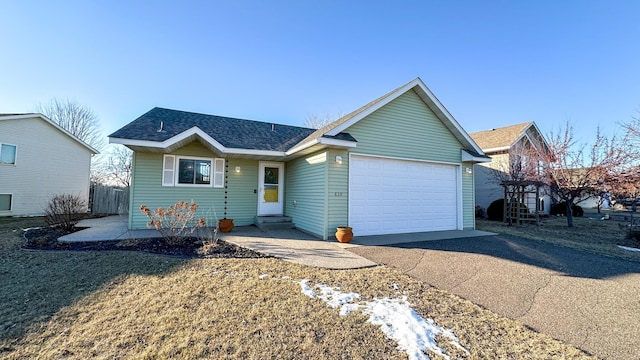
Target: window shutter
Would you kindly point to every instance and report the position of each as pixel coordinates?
(168, 170)
(218, 173)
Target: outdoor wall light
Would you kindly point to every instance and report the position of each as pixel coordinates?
(339, 159)
(468, 170)
(237, 169)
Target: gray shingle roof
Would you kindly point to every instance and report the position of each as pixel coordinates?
(230, 132)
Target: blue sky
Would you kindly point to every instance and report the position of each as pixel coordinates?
(491, 63)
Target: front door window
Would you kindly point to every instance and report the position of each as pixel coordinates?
(271, 190)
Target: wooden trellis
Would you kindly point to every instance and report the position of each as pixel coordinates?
(524, 198)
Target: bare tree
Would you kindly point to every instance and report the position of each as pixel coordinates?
(77, 119)
(633, 129)
(116, 168)
(632, 139)
(318, 122)
(576, 170)
(523, 168)
(625, 186)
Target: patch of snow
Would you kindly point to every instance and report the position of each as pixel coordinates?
(306, 289)
(629, 248)
(405, 326)
(395, 317)
(263, 276)
(32, 228)
(337, 299)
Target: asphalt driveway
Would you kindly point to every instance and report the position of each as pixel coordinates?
(587, 300)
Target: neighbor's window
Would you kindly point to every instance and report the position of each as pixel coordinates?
(7, 154)
(5, 202)
(186, 171)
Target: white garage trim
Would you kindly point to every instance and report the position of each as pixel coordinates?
(395, 202)
(404, 159)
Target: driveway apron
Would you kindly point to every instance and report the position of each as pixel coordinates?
(587, 300)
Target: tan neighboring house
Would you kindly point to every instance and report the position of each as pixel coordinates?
(39, 159)
(499, 144)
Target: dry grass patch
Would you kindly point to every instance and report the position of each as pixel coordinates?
(593, 235)
(128, 305)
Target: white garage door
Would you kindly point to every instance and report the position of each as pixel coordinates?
(388, 196)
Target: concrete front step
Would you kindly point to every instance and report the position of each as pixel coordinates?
(273, 222)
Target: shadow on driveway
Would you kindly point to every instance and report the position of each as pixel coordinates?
(585, 299)
(565, 260)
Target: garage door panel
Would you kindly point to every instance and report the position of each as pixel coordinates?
(396, 196)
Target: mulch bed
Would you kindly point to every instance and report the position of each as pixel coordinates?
(46, 238)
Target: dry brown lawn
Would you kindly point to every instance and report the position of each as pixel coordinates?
(587, 234)
(127, 305)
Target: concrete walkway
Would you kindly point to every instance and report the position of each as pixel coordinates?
(587, 300)
(295, 246)
(290, 245)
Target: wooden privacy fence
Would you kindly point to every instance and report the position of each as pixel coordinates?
(109, 200)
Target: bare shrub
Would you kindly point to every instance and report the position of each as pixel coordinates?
(65, 210)
(176, 223)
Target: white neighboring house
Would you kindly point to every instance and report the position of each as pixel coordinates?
(39, 159)
(497, 144)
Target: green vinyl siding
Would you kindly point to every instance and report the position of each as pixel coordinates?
(147, 189)
(405, 128)
(242, 204)
(468, 200)
(338, 196)
(306, 187)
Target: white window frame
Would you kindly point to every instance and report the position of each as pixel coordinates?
(171, 166)
(15, 157)
(11, 202)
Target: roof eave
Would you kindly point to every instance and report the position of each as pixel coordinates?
(189, 135)
(429, 99)
(322, 141)
(496, 149)
(470, 157)
(93, 150)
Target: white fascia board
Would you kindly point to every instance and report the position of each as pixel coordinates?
(322, 141)
(525, 136)
(171, 141)
(448, 115)
(21, 116)
(501, 148)
(302, 147)
(337, 142)
(194, 131)
(253, 152)
(142, 143)
(469, 157)
(52, 123)
(338, 129)
(544, 140)
(417, 82)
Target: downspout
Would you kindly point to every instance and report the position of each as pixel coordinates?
(325, 235)
(131, 187)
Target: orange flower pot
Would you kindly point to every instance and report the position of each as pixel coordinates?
(344, 234)
(225, 225)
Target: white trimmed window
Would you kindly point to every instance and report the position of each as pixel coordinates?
(192, 171)
(8, 154)
(6, 201)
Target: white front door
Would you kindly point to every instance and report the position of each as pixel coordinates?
(271, 188)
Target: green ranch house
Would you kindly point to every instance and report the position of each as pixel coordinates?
(399, 164)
